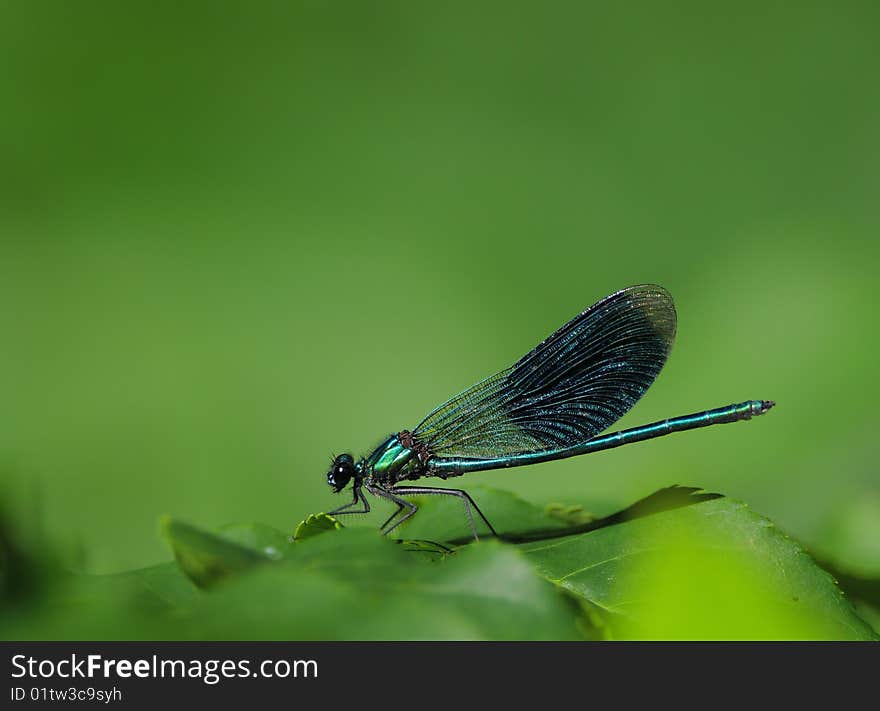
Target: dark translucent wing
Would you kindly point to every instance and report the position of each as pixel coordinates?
(568, 389)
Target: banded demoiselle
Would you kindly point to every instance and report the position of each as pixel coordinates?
(553, 403)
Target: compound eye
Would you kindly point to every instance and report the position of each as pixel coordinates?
(341, 472)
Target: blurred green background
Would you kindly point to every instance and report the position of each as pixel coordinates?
(237, 238)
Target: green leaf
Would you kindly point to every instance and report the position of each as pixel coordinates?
(315, 524)
(443, 518)
(569, 514)
(678, 565)
(148, 603)
(675, 565)
(159, 586)
(207, 557)
(714, 570)
(266, 540)
(357, 584)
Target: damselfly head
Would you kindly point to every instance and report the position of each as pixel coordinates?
(341, 472)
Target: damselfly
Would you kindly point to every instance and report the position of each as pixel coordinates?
(553, 403)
